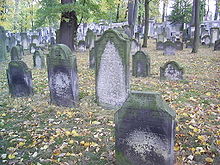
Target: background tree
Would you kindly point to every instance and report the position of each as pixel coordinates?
(197, 24)
(217, 8)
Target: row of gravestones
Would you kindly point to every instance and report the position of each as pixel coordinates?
(144, 123)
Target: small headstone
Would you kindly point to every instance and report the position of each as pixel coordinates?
(160, 37)
(2, 44)
(19, 79)
(82, 45)
(206, 40)
(62, 76)
(145, 131)
(24, 40)
(171, 71)
(32, 48)
(35, 39)
(179, 45)
(137, 36)
(90, 39)
(127, 30)
(134, 46)
(140, 64)
(92, 58)
(215, 32)
(16, 53)
(112, 69)
(159, 45)
(217, 45)
(169, 48)
(39, 59)
(189, 43)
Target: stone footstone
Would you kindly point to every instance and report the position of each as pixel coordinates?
(171, 71)
(39, 59)
(145, 131)
(62, 76)
(19, 79)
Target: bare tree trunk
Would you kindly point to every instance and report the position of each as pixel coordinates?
(68, 27)
(147, 10)
(216, 10)
(118, 12)
(197, 23)
(164, 10)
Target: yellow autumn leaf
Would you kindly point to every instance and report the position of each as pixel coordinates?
(196, 130)
(176, 148)
(20, 144)
(74, 133)
(11, 156)
(96, 122)
(86, 144)
(67, 133)
(218, 142)
(71, 141)
(209, 160)
(208, 94)
(177, 129)
(3, 114)
(202, 138)
(82, 143)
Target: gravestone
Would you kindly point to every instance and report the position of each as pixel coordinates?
(33, 47)
(160, 37)
(145, 131)
(21, 49)
(39, 59)
(2, 44)
(127, 30)
(217, 45)
(92, 58)
(140, 64)
(137, 36)
(171, 71)
(134, 46)
(179, 45)
(189, 43)
(62, 76)
(90, 39)
(35, 39)
(82, 45)
(24, 40)
(214, 35)
(169, 48)
(206, 40)
(16, 53)
(112, 69)
(19, 79)
(159, 45)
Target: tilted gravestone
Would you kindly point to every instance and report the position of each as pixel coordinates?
(39, 59)
(112, 69)
(134, 46)
(217, 45)
(140, 64)
(90, 39)
(171, 71)
(169, 48)
(19, 79)
(178, 45)
(16, 53)
(159, 45)
(62, 76)
(92, 58)
(214, 35)
(82, 45)
(2, 44)
(145, 131)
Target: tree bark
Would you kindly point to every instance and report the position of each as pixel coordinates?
(164, 7)
(146, 23)
(118, 12)
(216, 10)
(197, 23)
(68, 27)
(132, 14)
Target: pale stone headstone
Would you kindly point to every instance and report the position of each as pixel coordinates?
(161, 38)
(62, 76)
(179, 45)
(140, 64)
(16, 53)
(19, 79)
(169, 48)
(217, 45)
(206, 40)
(35, 39)
(171, 71)
(112, 69)
(2, 44)
(82, 45)
(214, 35)
(90, 39)
(39, 59)
(24, 40)
(92, 58)
(159, 45)
(33, 48)
(145, 131)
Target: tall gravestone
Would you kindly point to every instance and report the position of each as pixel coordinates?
(140, 64)
(62, 76)
(39, 59)
(92, 58)
(19, 79)
(215, 32)
(171, 71)
(16, 53)
(169, 48)
(2, 44)
(217, 45)
(90, 39)
(145, 131)
(112, 69)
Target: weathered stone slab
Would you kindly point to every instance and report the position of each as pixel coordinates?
(217, 45)
(214, 35)
(90, 39)
(145, 131)
(171, 71)
(39, 59)
(92, 58)
(159, 45)
(140, 64)
(179, 45)
(2, 44)
(62, 76)
(19, 79)
(161, 38)
(206, 40)
(112, 69)
(16, 53)
(169, 48)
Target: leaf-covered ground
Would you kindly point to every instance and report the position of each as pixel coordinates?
(34, 132)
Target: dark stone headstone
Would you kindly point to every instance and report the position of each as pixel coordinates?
(39, 59)
(217, 45)
(19, 79)
(140, 64)
(169, 48)
(62, 76)
(179, 45)
(112, 69)
(92, 58)
(2, 44)
(159, 45)
(215, 32)
(16, 53)
(145, 131)
(171, 71)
